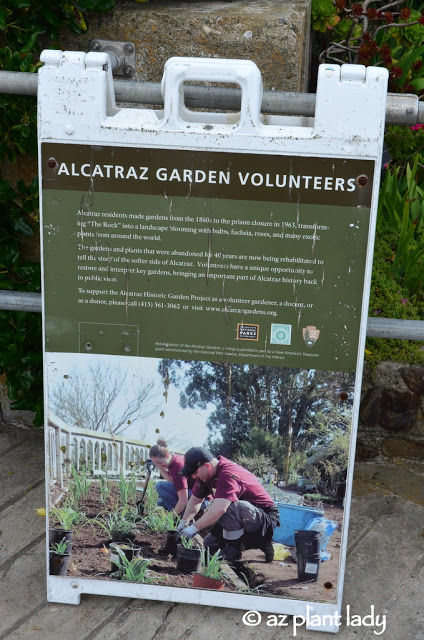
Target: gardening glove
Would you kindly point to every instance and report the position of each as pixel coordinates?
(190, 531)
(182, 525)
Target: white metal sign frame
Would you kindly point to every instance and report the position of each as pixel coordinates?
(77, 106)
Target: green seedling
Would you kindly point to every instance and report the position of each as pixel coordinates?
(160, 521)
(60, 547)
(124, 490)
(251, 590)
(134, 570)
(132, 488)
(212, 565)
(104, 488)
(79, 487)
(120, 521)
(151, 497)
(189, 543)
(67, 517)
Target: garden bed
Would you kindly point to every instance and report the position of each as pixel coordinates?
(90, 557)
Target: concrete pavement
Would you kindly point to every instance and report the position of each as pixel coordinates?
(384, 565)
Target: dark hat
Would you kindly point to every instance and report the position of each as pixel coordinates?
(193, 459)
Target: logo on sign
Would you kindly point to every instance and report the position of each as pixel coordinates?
(310, 335)
(247, 331)
(281, 334)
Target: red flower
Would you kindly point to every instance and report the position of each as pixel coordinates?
(340, 4)
(396, 72)
(357, 9)
(388, 17)
(417, 65)
(405, 14)
(421, 19)
(372, 14)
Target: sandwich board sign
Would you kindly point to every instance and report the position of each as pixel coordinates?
(206, 281)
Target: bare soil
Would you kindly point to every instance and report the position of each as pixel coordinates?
(90, 557)
(280, 578)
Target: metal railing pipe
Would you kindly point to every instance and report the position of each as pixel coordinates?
(376, 327)
(20, 301)
(402, 109)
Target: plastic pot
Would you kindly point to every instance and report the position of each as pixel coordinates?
(130, 551)
(202, 582)
(188, 560)
(172, 540)
(58, 563)
(118, 536)
(57, 535)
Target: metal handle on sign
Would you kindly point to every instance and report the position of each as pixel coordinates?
(245, 73)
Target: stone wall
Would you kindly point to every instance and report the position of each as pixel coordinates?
(391, 419)
(272, 33)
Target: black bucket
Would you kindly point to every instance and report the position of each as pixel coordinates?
(130, 552)
(308, 567)
(188, 560)
(58, 563)
(307, 542)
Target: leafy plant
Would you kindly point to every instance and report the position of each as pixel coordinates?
(374, 33)
(60, 547)
(80, 485)
(188, 543)
(115, 522)
(104, 488)
(132, 487)
(151, 497)
(212, 565)
(258, 464)
(67, 517)
(401, 205)
(247, 589)
(123, 489)
(324, 15)
(319, 497)
(134, 570)
(24, 22)
(159, 520)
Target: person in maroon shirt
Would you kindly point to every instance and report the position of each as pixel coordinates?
(174, 490)
(242, 514)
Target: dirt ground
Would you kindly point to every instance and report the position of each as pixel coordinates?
(281, 579)
(90, 558)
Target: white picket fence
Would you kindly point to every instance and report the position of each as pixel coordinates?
(102, 453)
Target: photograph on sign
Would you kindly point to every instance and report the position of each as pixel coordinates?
(281, 441)
(202, 321)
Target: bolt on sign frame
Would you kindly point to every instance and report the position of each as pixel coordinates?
(226, 254)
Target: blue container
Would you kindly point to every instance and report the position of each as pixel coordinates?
(293, 517)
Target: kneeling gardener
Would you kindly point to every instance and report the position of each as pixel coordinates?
(242, 514)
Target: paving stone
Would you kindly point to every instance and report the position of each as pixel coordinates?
(400, 477)
(22, 587)
(22, 466)
(69, 622)
(20, 524)
(385, 558)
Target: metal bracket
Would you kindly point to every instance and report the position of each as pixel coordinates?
(121, 54)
